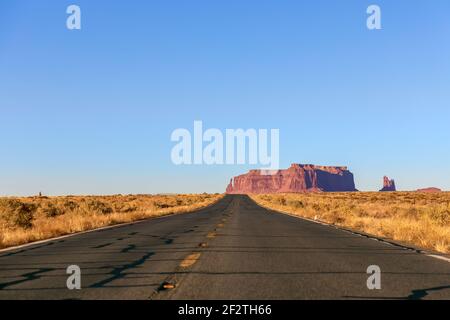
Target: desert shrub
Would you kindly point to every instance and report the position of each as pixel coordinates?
(440, 215)
(51, 211)
(281, 201)
(165, 202)
(411, 212)
(394, 210)
(129, 208)
(70, 205)
(124, 207)
(99, 207)
(380, 214)
(17, 214)
(361, 213)
(295, 204)
(162, 205)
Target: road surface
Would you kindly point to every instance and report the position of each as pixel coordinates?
(231, 250)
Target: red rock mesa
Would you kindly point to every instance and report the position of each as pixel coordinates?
(388, 184)
(429, 190)
(297, 178)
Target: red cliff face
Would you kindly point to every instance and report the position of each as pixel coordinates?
(388, 184)
(297, 178)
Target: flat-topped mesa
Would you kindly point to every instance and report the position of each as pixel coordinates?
(331, 169)
(429, 190)
(388, 184)
(297, 178)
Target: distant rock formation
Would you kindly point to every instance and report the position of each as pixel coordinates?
(297, 178)
(429, 190)
(229, 187)
(388, 184)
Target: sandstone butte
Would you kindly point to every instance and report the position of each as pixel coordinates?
(297, 178)
(388, 184)
(429, 190)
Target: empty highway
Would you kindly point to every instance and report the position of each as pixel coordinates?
(233, 249)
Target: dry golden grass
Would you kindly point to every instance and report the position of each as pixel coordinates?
(422, 219)
(28, 219)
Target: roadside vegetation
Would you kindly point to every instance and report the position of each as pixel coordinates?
(421, 219)
(28, 219)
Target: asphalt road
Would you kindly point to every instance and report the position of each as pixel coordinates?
(247, 252)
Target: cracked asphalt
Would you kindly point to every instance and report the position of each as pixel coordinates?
(233, 249)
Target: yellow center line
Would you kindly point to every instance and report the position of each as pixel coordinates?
(211, 235)
(190, 260)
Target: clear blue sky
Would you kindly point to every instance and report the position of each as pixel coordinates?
(91, 111)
